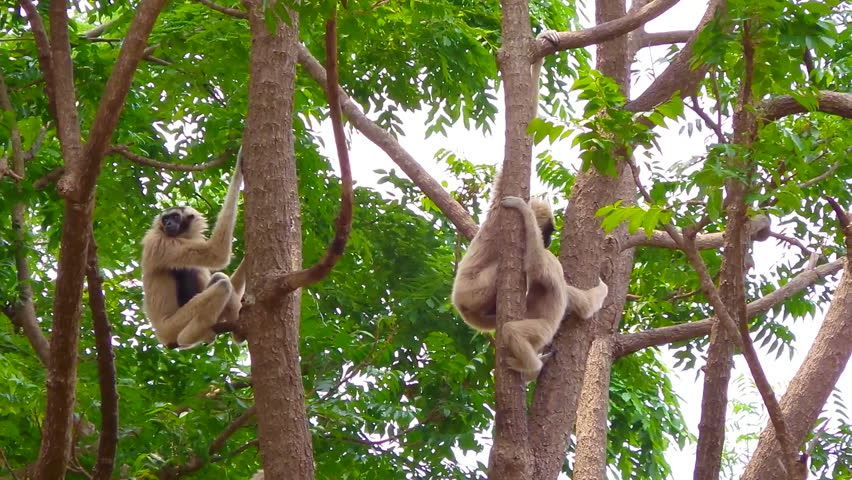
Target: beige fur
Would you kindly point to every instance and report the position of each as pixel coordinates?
(548, 295)
(219, 298)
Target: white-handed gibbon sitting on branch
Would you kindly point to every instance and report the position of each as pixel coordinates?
(182, 300)
(548, 295)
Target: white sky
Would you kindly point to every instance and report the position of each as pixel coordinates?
(478, 148)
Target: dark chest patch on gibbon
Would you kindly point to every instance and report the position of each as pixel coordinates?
(187, 284)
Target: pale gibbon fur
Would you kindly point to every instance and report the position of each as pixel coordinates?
(182, 300)
(548, 295)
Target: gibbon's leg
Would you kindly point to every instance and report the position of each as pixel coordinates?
(474, 295)
(229, 320)
(525, 338)
(192, 322)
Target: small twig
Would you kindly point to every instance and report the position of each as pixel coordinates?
(235, 425)
(707, 120)
(8, 465)
(823, 175)
(126, 153)
(792, 241)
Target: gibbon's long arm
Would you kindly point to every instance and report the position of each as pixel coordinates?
(213, 253)
(535, 68)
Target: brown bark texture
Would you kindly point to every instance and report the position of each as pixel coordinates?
(510, 457)
(79, 194)
(813, 383)
(273, 241)
(108, 440)
(593, 403)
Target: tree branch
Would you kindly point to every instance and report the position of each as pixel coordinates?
(651, 39)
(108, 440)
(45, 60)
(603, 32)
(80, 178)
(679, 75)
(126, 153)
(428, 185)
(222, 9)
(758, 229)
(232, 427)
(835, 103)
(626, 344)
(292, 281)
(24, 310)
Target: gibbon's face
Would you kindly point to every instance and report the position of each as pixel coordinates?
(176, 221)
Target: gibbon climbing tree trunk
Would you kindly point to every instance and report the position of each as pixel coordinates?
(273, 242)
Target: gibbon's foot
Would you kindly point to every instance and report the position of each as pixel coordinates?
(216, 278)
(172, 345)
(551, 36)
(513, 202)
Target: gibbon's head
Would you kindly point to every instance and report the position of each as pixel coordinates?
(544, 218)
(181, 222)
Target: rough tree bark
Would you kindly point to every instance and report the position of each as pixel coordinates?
(273, 241)
(510, 456)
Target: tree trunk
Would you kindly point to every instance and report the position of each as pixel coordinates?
(811, 386)
(273, 242)
(586, 254)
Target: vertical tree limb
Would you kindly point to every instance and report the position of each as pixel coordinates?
(79, 196)
(510, 456)
(273, 240)
(108, 440)
(24, 311)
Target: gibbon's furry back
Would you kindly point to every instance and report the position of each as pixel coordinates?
(182, 300)
(548, 295)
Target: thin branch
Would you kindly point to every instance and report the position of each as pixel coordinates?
(33, 151)
(824, 175)
(49, 178)
(126, 153)
(108, 440)
(792, 241)
(100, 29)
(603, 32)
(8, 465)
(425, 182)
(343, 225)
(45, 59)
(626, 344)
(835, 103)
(717, 129)
(222, 9)
(235, 425)
(758, 228)
(652, 39)
(25, 314)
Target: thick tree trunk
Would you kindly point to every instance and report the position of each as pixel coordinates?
(510, 457)
(273, 242)
(811, 386)
(586, 254)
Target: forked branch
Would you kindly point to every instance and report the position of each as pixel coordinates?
(343, 225)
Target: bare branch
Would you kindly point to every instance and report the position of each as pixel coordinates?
(824, 175)
(758, 228)
(428, 185)
(126, 153)
(49, 178)
(792, 241)
(221, 9)
(44, 54)
(717, 129)
(679, 75)
(651, 39)
(835, 103)
(33, 151)
(605, 31)
(232, 427)
(100, 29)
(108, 440)
(343, 225)
(626, 344)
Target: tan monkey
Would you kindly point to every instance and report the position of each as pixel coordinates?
(548, 295)
(182, 300)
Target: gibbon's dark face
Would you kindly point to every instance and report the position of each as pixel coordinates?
(176, 221)
(547, 233)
